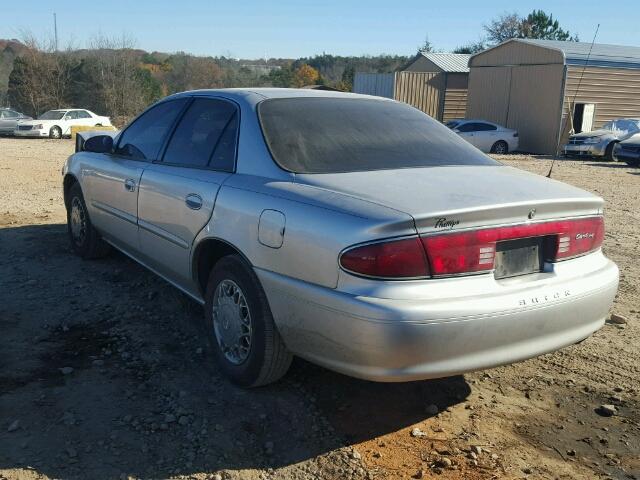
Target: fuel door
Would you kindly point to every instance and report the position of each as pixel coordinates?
(271, 228)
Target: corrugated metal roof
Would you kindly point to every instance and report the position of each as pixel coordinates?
(602, 55)
(450, 62)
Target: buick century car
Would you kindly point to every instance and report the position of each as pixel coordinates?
(602, 143)
(353, 231)
(58, 123)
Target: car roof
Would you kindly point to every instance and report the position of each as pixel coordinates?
(265, 93)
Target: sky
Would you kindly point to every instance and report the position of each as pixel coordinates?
(293, 29)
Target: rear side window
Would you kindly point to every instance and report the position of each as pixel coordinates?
(330, 135)
(83, 114)
(205, 136)
(144, 137)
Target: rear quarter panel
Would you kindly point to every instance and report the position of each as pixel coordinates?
(319, 225)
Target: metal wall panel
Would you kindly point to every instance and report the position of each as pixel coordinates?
(534, 106)
(423, 90)
(615, 92)
(455, 97)
(527, 98)
(488, 95)
(378, 84)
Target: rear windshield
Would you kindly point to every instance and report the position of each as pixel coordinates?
(52, 115)
(331, 135)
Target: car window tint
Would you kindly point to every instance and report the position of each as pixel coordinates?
(485, 127)
(13, 114)
(342, 134)
(144, 137)
(83, 114)
(467, 127)
(205, 133)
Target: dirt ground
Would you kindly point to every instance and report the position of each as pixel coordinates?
(103, 374)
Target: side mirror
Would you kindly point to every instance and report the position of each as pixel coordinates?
(98, 144)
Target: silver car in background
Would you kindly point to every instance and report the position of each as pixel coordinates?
(353, 231)
(602, 142)
(9, 120)
(486, 136)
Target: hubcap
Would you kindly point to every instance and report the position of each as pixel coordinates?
(500, 148)
(55, 133)
(78, 219)
(232, 322)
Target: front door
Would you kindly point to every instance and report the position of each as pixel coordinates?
(112, 180)
(178, 194)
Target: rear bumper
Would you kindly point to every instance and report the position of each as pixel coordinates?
(386, 339)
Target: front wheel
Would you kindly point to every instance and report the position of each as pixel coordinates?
(240, 327)
(610, 152)
(500, 147)
(55, 132)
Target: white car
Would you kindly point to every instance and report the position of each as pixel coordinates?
(486, 136)
(58, 123)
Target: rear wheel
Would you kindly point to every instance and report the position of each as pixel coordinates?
(85, 240)
(55, 132)
(610, 152)
(500, 147)
(240, 327)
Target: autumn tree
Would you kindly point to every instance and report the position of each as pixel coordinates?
(305, 75)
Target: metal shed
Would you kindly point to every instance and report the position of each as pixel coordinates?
(531, 85)
(436, 83)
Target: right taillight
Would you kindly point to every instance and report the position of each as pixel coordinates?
(579, 237)
(469, 251)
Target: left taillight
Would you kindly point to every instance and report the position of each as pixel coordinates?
(394, 259)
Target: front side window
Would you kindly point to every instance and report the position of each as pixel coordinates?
(143, 139)
(609, 126)
(71, 116)
(205, 136)
(331, 135)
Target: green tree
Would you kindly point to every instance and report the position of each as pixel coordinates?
(537, 25)
(471, 48)
(542, 26)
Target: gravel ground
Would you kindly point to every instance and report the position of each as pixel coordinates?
(103, 373)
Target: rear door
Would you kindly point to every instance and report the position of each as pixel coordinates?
(178, 193)
(112, 180)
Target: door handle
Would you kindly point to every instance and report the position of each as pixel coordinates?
(130, 185)
(193, 201)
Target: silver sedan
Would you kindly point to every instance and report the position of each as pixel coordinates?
(353, 231)
(9, 120)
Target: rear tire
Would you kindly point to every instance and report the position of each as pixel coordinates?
(240, 328)
(85, 240)
(55, 133)
(610, 152)
(500, 147)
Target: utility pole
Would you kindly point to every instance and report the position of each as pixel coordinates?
(55, 30)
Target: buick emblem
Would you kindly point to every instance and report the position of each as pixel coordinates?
(532, 213)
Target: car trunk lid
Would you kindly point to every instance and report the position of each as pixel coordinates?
(460, 197)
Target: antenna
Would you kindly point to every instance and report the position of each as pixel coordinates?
(55, 30)
(575, 94)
